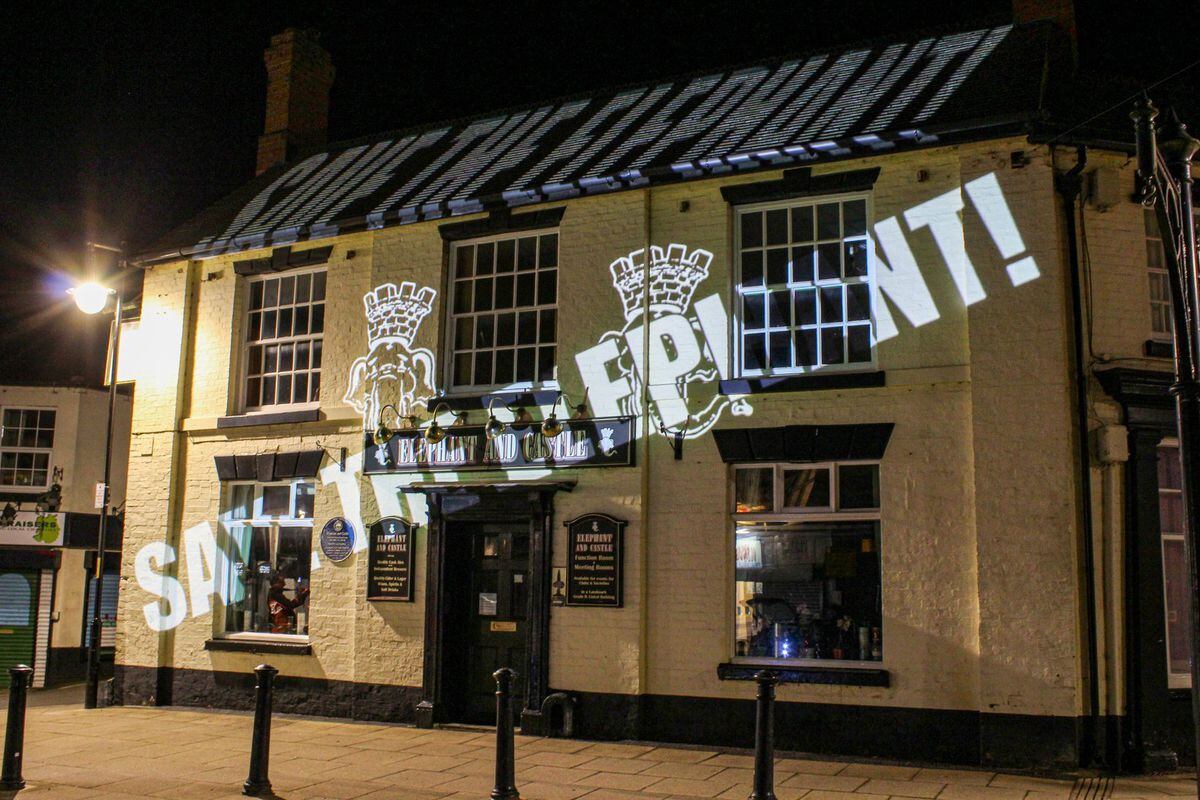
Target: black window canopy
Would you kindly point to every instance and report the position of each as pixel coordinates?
(866, 441)
(269, 466)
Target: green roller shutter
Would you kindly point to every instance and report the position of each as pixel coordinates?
(18, 620)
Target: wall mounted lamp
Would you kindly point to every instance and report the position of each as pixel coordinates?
(552, 426)
(435, 432)
(677, 438)
(494, 427)
(383, 434)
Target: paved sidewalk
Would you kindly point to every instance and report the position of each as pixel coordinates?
(126, 753)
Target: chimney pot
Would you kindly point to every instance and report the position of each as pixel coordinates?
(299, 75)
(1060, 12)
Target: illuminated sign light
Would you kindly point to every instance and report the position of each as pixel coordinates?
(583, 443)
(749, 117)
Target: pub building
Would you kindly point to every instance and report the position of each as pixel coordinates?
(640, 392)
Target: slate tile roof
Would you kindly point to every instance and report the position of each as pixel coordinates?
(855, 101)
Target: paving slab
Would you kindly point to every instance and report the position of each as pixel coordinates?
(139, 753)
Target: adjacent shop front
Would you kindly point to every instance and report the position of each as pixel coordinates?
(46, 593)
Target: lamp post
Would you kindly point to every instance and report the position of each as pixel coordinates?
(92, 298)
(1164, 182)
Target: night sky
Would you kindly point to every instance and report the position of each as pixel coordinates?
(121, 120)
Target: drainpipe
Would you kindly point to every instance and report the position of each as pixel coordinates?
(1068, 185)
(644, 519)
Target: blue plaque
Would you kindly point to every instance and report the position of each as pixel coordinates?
(337, 539)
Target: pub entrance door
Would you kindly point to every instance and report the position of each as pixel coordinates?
(487, 598)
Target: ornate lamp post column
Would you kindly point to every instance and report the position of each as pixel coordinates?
(1164, 182)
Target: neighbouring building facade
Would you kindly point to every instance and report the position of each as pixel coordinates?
(51, 458)
(641, 392)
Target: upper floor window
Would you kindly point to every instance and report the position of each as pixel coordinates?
(804, 286)
(1160, 281)
(504, 311)
(26, 443)
(807, 584)
(284, 330)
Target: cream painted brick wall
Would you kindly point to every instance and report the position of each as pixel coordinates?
(154, 445)
(978, 528)
(1025, 483)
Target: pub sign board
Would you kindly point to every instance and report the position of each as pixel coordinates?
(601, 442)
(389, 559)
(595, 561)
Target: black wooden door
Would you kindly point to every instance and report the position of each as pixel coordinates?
(494, 619)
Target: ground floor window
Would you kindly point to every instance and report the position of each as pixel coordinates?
(270, 532)
(807, 581)
(1175, 568)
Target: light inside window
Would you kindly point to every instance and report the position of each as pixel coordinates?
(270, 557)
(754, 490)
(808, 590)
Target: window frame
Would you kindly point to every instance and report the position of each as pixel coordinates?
(450, 317)
(834, 514)
(1175, 680)
(736, 312)
(1149, 218)
(49, 451)
(244, 361)
(259, 520)
(1153, 238)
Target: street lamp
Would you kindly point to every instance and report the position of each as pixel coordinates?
(92, 298)
(1164, 182)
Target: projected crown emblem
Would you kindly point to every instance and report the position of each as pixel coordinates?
(674, 276)
(395, 312)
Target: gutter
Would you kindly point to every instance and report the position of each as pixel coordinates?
(1068, 184)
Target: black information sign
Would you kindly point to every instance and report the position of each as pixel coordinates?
(600, 442)
(594, 561)
(389, 559)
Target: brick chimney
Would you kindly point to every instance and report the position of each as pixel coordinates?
(299, 74)
(1060, 12)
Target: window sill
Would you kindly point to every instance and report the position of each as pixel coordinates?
(833, 676)
(803, 383)
(266, 646)
(270, 418)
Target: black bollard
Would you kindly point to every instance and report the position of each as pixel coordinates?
(505, 788)
(258, 784)
(764, 737)
(14, 733)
